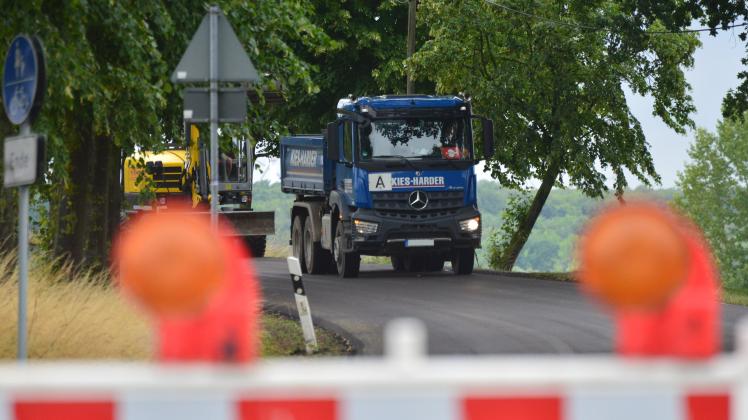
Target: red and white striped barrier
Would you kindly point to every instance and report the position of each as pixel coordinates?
(403, 385)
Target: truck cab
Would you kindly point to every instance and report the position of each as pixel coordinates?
(397, 179)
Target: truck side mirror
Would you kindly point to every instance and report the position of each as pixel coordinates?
(331, 137)
(488, 148)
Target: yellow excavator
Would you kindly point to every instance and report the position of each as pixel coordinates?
(183, 174)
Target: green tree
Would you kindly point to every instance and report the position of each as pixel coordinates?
(715, 195)
(368, 59)
(553, 82)
(109, 92)
(677, 15)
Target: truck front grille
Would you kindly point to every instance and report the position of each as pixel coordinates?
(395, 204)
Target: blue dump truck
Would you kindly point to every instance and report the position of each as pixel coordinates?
(392, 176)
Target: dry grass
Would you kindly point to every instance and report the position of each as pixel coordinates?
(87, 319)
(84, 318)
(277, 251)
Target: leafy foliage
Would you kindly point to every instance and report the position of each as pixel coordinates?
(369, 39)
(555, 92)
(109, 93)
(715, 14)
(516, 209)
(715, 194)
(554, 86)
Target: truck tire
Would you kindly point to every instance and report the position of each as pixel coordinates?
(463, 260)
(256, 245)
(316, 259)
(297, 242)
(348, 263)
(434, 264)
(398, 262)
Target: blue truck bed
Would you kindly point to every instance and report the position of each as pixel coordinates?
(304, 169)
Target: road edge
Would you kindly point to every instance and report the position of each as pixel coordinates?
(357, 346)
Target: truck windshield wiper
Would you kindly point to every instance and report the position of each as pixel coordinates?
(402, 159)
(449, 162)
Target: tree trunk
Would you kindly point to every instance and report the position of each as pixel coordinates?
(114, 193)
(75, 223)
(98, 243)
(519, 238)
(63, 226)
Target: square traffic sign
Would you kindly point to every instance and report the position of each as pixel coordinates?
(23, 158)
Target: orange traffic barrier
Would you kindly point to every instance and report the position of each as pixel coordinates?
(198, 284)
(171, 263)
(633, 256)
(656, 272)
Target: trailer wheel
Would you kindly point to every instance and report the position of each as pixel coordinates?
(463, 260)
(256, 245)
(398, 262)
(297, 242)
(315, 258)
(348, 263)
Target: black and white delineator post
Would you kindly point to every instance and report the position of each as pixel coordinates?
(302, 304)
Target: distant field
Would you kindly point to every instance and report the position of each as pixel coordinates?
(87, 319)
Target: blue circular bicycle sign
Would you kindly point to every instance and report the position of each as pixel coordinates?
(23, 79)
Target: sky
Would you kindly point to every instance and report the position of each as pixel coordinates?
(716, 65)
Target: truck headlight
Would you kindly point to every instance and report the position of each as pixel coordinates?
(365, 228)
(470, 225)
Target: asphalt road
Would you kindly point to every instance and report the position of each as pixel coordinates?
(482, 313)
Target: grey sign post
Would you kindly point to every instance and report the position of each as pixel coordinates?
(214, 115)
(216, 44)
(23, 85)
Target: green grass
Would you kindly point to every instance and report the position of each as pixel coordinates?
(373, 259)
(735, 296)
(282, 336)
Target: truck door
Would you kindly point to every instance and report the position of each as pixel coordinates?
(344, 166)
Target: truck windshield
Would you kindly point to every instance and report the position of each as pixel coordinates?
(232, 161)
(422, 138)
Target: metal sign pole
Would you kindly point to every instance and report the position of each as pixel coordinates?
(23, 84)
(23, 259)
(214, 116)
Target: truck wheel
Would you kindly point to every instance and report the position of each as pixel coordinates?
(463, 260)
(315, 258)
(348, 263)
(435, 264)
(398, 262)
(297, 242)
(256, 245)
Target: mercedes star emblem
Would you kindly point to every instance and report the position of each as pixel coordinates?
(418, 200)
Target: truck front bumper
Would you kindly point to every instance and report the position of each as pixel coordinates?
(413, 234)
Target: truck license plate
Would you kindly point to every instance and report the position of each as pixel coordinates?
(412, 243)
